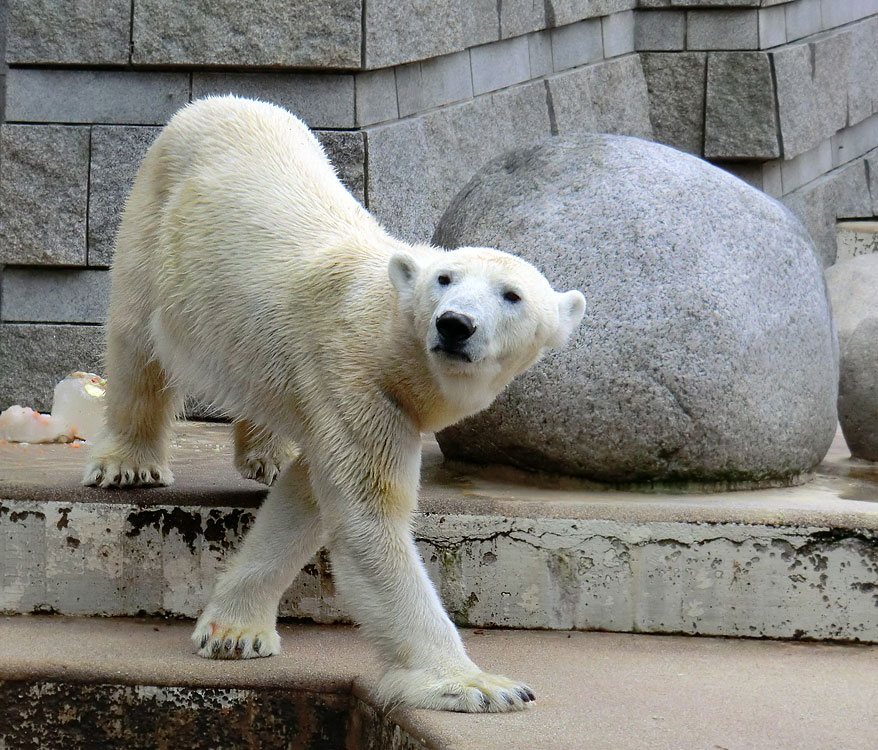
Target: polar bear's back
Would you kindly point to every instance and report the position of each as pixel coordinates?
(248, 158)
(239, 244)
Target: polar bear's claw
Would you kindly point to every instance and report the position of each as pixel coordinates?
(471, 692)
(262, 469)
(216, 641)
(115, 472)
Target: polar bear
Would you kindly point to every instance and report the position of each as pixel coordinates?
(247, 274)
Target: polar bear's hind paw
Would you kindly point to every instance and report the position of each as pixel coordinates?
(473, 692)
(260, 468)
(216, 641)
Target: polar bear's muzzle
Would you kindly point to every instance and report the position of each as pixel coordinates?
(454, 330)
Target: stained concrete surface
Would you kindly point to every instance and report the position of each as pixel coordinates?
(842, 494)
(594, 690)
(504, 548)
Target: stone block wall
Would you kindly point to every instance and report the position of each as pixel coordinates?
(784, 93)
(410, 98)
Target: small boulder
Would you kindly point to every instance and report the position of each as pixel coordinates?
(853, 288)
(707, 354)
(858, 391)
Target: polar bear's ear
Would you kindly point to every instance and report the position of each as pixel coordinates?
(403, 272)
(571, 308)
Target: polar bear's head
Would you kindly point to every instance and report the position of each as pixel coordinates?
(481, 313)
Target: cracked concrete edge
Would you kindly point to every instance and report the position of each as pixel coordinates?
(713, 579)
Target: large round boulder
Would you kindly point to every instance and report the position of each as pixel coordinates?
(707, 354)
(853, 288)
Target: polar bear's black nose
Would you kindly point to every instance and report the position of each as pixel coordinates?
(454, 328)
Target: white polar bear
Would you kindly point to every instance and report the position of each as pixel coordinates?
(246, 273)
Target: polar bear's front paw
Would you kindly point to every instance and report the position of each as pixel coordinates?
(216, 640)
(470, 691)
(117, 472)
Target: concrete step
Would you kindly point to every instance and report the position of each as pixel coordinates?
(85, 683)
(505, 548)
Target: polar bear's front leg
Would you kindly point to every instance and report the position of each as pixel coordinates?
(239, 621)
(383, 582)
(132, 450)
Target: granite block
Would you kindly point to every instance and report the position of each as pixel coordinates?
(618, 33)
(540, 53)
(94, 96)
(772, 27)
(862, 84)
(803, 19)
(276, 33)
(500, 64)
(806, 167)
(432, 83)
(853, 142)
(116, 154)
(722, 30)
(811, 82)
(43, 194)
(519, 16)
(660, 30)
(398, 32)
(322, 100)
(416, 165)
(577, 44)
(48, 31)
(347, 152)
(740, 109)
(37, 294)
(376, 96)
(676, 86)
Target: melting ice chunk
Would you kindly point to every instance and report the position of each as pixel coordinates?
(77, 413)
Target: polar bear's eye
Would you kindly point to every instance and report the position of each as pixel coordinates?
(511, 297)
(444, 279)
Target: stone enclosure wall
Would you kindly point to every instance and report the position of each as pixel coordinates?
(410, 98)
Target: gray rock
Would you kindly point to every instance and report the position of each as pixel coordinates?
(288, 33)
(676, 86)
(116, 154)
(858, 390)
(741, 112)
(43, 194)
(48, 31)
(707, 353)
(36, 357)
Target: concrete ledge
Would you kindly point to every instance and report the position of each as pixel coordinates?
(504, 548)
(648, 691)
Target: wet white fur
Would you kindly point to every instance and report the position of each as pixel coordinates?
(245, 273)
